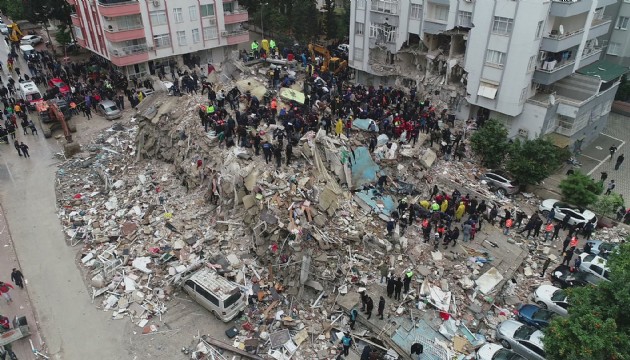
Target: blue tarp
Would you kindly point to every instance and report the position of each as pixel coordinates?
(363, 124)
(373, 199)
(421, 332)
(364, 169)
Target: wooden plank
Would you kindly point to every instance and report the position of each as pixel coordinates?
(228, 347)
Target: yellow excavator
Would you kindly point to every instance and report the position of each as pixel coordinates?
(15, 34)
(333, 64)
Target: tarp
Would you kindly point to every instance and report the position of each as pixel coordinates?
(290, 94)
(364, 169)
(363, 124)
(379, 204)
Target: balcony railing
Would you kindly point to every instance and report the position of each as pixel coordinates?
(128, 50)
(235, 33)
(113, 8)
(115, 2)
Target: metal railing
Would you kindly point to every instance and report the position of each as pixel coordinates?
(112, 29)
(128, 50)
(236, 32)
(115, 2)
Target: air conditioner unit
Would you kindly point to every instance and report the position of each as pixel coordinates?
(468, 1)
(156, 3)
(224, 33)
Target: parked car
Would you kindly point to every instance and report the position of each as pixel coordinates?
(496, 352)
(552, 298)
(223, 298)
(602, 248)
(60, 84)
(109, 110)
(4, 29)
(522, 339)
(535, 316)
(578, 215)
(31, 40)
(562, 277)
(595, 265)
(504, 182)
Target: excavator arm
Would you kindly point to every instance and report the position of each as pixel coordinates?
(16, 34)
(316, 49)
(56, 112)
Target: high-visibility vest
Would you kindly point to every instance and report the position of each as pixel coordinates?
(254, 46)
(549, 227)
(272, 44)
(210, 109)
(508, 223)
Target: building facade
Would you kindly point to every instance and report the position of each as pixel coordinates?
(515, 61)
(143, 36)
(618, 49)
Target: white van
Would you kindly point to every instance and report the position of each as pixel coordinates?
(27, 51)
(28, 91)
(221, 297)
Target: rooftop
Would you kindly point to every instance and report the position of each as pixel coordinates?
(604, 70)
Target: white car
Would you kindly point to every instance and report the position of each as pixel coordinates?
(578, 215)
(552, 298)
(31, 40)
(595, 265)
(496, 352)
(522, 339)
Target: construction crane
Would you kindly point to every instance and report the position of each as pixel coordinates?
(333, 64)
(15, 34)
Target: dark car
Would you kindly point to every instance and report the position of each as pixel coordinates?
(533, 315)
(564, 278)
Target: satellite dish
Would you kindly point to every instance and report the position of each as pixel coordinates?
(552, 99)
(561, 29)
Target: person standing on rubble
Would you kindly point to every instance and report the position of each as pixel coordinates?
(381, 307)
(493, 214)
(346, 341)
(339, 127)
(256, 142)
(466, 230)
(277, 152)
(398, 284)
(568, 255)
(267, 151)
(364, 296)
(391, 284)
(545, 266)
(507, 226)
(384, 269)
(407, 280)
(289, 152)
(369, 307)
(353, 317)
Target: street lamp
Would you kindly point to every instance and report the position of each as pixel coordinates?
(262, 25)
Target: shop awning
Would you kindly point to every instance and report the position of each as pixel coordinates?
(487, 90)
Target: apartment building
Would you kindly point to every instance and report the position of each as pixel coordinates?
(142, 36)
(532, 64)
(618, 49)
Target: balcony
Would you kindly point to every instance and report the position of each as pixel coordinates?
(129, 55)
(238, 16)
(237, 37)
(566, 8)
(113, 8)
(555, 42)
(389, 7)
(548, 72)
(72, 2)
(124, 35)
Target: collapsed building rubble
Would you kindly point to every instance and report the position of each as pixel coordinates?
(156, 198)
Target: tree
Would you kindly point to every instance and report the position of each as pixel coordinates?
(608, 204)
(623, 93)
(531, 161)
(14, 9)
(598, 325)
(304, 20)
(331, 19)
(580, 189)
(490, 142)
(63, 36)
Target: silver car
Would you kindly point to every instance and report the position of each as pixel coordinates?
(109, 110)
(522, 339)
(502, 181)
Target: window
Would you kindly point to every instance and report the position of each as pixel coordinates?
(622, 23)
(228, 7)
(502, 25)
(539, 29)
(464, 18)
(495, 57)
(201, 291)
(523, 95)
(128, 22)
(162, 40)
(439, 13)
(386, 6)
(210, 33)
(613, 48)
(360, 4)
(192, 11)
(181, 38)
(416, 11)
(158, 17)
(78, 33)
(231, 300)
(177, 14)
(196, 36)
(532, 64)
(359, 28)
(207, 10)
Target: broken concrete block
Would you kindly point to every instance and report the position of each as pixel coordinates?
(527, 271)
(141, 264)
(178, 244)
(250, 180)
(428, 158)
(118, 184)
(249, 201)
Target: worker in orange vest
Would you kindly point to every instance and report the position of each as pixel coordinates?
(573, 243)
(548, 230)
(274, 107)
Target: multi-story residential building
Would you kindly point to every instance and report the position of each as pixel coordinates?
(525, 63)
(618, 49)
(142, 36)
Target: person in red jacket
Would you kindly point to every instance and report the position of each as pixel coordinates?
(4, 290)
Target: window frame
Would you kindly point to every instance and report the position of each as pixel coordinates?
(439, 10)
(193, 13)
(490, 59)
(178, 15)
(622, 23)
(161, 41)
(207, 8)
(539, 29)
(531, 66)
(461, 14)
(361, 4)
(616, 50)
(502, 25)
(196, 39)
(209, 29)
(415, 11)
(158, 17)
(359, 28)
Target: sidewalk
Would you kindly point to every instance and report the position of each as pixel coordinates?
(21, 305)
